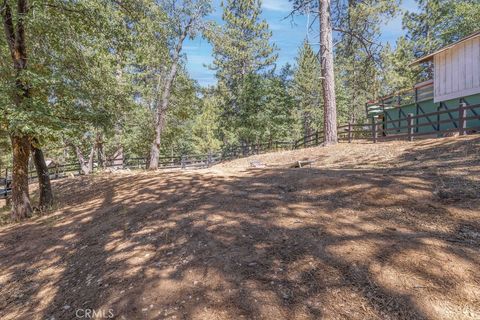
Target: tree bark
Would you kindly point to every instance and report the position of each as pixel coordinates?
(328, 81)
(162, 106)
(155, 150)
(21, 208)
(86, 167)
(15, 37)
(46, 194)
(100, 152)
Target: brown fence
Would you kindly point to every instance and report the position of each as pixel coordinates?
(376, 132)
(379, 131)
(421, 92)
(410, 131)
(188, 161)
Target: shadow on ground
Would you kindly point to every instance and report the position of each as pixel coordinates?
(262, 244)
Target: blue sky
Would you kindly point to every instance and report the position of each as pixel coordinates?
(287, 35)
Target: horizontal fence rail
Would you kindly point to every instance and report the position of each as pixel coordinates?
(190, 161)
(406, 128)
(421, 92)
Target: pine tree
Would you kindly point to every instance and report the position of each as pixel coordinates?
(307, 92)
(440, 22)
(276, 115)
(206, 125)
(328, 74)
(359, 52)
(241, 50)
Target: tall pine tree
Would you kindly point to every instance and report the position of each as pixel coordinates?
(241, 50)
(306, 92)
(437, 23)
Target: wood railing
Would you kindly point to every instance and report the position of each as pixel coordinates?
(188, 161)
(377, 131)
(421, 92)
(381, 131)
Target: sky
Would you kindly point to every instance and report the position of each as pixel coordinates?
(288, 35)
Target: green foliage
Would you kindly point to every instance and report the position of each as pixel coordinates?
(185, 107)
(241, 51)
(277, 114)
(206, 127)
(437, 23)
(359, 59)
(73, 72)
(96, 70)
(397, 73)
(307, 93)
(241, 45)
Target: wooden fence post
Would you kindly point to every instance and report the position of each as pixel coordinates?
(316, 138)
(410, 126)
(349, 132)
(462, 114)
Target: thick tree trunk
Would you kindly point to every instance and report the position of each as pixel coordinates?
(21, 208)
(15, 37)
(328, 81)
(46, 194)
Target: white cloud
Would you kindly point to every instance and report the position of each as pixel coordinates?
(277, 5)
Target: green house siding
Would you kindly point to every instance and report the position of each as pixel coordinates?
(428, 124)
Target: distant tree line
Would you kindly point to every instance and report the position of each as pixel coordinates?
(87, 80)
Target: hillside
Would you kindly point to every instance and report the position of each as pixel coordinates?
(367, 231)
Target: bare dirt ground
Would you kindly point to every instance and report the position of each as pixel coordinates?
(385, 231)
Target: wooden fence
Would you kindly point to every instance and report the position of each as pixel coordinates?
(406, 128)
(410, 125)
(191, 161)
(421, 92)
(377, 131)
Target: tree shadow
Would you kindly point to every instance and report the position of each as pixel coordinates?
(274, 243)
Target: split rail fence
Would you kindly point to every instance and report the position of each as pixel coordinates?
(406, 129)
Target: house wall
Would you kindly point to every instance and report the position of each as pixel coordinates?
(457, 71)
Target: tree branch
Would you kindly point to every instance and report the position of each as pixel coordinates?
(8, 27)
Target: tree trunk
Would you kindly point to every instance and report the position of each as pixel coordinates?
(161, 115)
(86, 167)
(307, 124)
(100, 153)
(46, 194)
(15, 37)
(21, 208)
(155, 150)
(164, 102)
(328, 81)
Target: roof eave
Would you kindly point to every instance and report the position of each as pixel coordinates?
(431, 55)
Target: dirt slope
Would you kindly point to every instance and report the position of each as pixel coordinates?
(386, 231)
